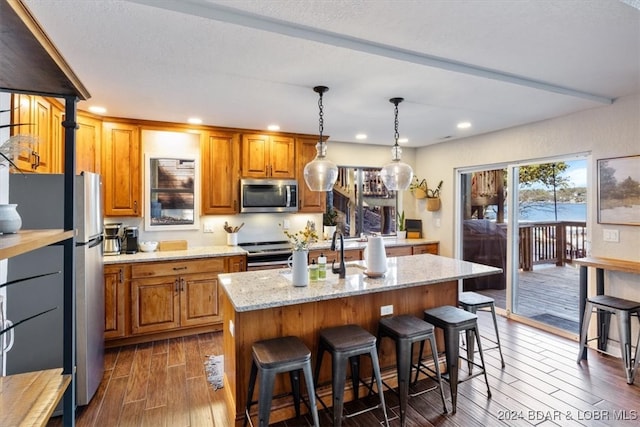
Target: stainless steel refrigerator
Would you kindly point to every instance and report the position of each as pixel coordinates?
(38, 343)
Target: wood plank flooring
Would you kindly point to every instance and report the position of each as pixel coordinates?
(164, 384)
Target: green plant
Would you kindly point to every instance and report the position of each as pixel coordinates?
(435, 193)
(418, 184)
(330, 217)
(400, 224)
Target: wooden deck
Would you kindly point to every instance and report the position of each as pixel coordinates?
(164, 384)
(548, 294)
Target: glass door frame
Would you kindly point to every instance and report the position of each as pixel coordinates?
(512, 200)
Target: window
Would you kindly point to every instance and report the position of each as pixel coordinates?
(363, 203)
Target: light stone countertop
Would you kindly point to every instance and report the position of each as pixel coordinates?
(352, 243)
(256, 290)
(197, 252)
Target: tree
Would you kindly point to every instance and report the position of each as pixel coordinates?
(549, 175)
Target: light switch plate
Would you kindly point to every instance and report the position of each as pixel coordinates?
(610, 235)
(386, 310)
(208, 227)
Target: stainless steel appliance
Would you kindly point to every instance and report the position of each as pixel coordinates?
(268, 195)
(112, 239)
(130, 240)
(40, 198)
(267, 255)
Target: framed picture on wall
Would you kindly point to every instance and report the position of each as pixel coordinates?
(619, 190)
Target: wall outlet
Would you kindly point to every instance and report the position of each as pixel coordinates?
(208, 227)
(286, 224)
(386, 310)
(610, 235)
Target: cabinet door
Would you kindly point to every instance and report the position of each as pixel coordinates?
(121, 169)
(199, 299)
(255, 156)
(309, 201)
(237, 263)
(220, 173)
(155, 304)
(282, 157)
(114, 302)
(88, 138)
(429, 248)
(57, 137)
(43, 160)
(35, 113)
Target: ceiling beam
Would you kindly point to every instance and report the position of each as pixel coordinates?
(251, 20)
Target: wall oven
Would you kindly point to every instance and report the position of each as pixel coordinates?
(268, 195)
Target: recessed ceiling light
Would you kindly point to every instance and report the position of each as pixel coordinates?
(97, 109)
(464, 125)
(361, 136)
(194, 121)
(273, 127)
(403, 140)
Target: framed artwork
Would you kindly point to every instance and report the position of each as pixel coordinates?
(619, 190)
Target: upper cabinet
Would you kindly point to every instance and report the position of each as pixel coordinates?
(220, 172)
(35, 115)
(268, 156)
(88, 144)
(309, 201)
(121, 177)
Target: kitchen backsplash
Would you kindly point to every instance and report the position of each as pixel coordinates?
(257, 227)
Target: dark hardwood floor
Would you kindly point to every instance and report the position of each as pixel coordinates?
(164, 384)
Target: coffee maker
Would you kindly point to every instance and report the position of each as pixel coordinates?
(112, 239)
(130, 240)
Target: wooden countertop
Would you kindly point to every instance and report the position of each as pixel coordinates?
(610, 264)
(256, 290)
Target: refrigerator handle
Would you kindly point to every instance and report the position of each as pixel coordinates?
(4, 347)
(97, 241)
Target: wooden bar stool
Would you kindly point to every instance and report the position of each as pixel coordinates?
(344, 343)
(406, 330)
(453, 320)
(472, 302)
(623, 310)
(275, 356)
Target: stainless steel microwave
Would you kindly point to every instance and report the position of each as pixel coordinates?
(268, 195)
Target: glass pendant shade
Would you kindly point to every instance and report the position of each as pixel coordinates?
(321, 173)
(396, 175)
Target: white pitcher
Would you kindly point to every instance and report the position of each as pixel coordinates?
(375, 255)
(298, 265)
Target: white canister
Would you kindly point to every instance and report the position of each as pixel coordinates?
(232, 239)
(375, 255)
(298, 265)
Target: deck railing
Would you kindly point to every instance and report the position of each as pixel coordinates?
(551, 243)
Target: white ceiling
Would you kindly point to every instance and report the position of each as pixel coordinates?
(250, 63)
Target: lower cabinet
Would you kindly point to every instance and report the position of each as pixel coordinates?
(170, 296)
(429, 248)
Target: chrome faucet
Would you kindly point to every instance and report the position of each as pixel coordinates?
(341, 270)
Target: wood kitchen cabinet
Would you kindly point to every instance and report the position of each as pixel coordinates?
(349, 255)
(116, 281)
(39, 155)
(236, 264)
(268, 156)
(220, 173)
(394, 251)
(175, 294)
(88, 144)
(429, 248)
(309, 201)
(121, 172)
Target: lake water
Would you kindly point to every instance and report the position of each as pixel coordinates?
(541, 211)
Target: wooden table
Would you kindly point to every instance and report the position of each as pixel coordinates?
(600, 264)
(264, 304)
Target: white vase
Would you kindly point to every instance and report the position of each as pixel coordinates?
(328, 231)
(232, 239)
(10, 220)
(401, 234)
(299, 269)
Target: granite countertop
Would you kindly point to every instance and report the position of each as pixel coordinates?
(256, 290)
(198, 252)
(361, 244)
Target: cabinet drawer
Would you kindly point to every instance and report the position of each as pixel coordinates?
(171, 268)
(394, 251)
(429, 248)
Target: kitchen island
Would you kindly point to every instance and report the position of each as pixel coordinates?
(264, 304)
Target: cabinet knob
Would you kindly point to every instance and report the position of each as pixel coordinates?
(121, 276)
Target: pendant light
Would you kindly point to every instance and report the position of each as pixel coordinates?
(321, 173)
(396, 175)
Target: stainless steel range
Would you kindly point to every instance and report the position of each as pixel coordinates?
(267, 255)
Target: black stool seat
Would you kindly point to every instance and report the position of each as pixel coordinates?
(623, 309)
(472, 302)
(348, 342)
(406, 330)
(453, 320)
(275, 356)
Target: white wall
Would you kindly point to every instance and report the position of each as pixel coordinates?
(609, 131)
